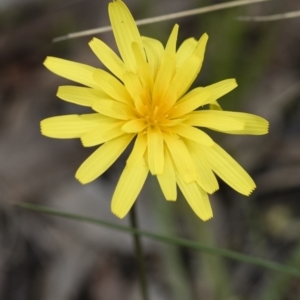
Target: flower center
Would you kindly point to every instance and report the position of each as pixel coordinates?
(153, 116)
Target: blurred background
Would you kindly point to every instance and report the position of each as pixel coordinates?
(46, 257)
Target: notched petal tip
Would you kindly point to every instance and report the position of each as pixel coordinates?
(92, 42)
(84, 143)
(208, 218)
(212, 191)
(248, 192)
(80, 180)
(267, 127)
(234, 83)
(262, 126)
(117, 213)
(48, 60)
(42, 127)
(251, 191)
(45, 128)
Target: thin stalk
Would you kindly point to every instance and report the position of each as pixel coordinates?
(139, 254)
(244, 258)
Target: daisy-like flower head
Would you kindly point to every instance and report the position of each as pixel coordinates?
(145, 99)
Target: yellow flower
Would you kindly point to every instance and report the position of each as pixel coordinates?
(146, 100)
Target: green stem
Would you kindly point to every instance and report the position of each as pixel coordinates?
(139, 254)
(260, 262)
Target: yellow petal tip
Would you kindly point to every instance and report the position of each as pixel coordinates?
(79, 179)
(251, 191)
(48, 61)
(117, 213)
(171, 199)
(207, 218)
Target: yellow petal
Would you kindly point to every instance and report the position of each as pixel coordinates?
(154, 52)
(101, 134)
(181, 157)
(167, 179)
(136, 90)
(171, 43)
(102, 159)
(125, 32)
(185, 51)
(109, 58)
(113, 109)
(128, 188)
(220, 89)
(155, 150)
(197, 198)
(143, 68)
(193, 134)
(187, 73)
(70, 126)
(201, 45)
(166, 70)
(228, 169)
(112, 86)
(168, 101)
(163, 79)
(72, 70)
(254, 125)
(217, 120)
(80, 95)
(138, 150)
(206, 178)
(96, 116)
(190, 102)
(134, 126)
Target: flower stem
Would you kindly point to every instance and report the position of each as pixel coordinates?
(139, 254)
